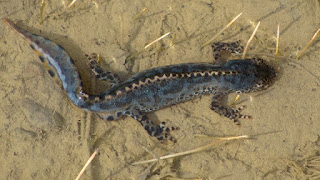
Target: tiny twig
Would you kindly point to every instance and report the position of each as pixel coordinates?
(309, 43)
(87, 164)
(148, 45)
(139, 14)
(158, 39)
(145, 173)
(41, 11)
(277, 44)
(250, 39)
(74, 1)
(173, 40)
(235, 100)
(147, 149)
(228, 25)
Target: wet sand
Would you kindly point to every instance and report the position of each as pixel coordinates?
(44, 136)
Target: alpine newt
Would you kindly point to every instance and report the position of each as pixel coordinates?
(155, 88)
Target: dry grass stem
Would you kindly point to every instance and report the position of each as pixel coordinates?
(228, 138)
(220, 140)
(87, 163)
(41, 11)
(139, 14)
(99, 58)
(148, 45)
(277, 44)
(268, 55)
(173, 40)
(235, 100)
(250, 39)
(145, 173)
(309, 43)
(228, 25)
(148, 150)
(306, 168)
(163, 36)
(74, 1)
(121, 30)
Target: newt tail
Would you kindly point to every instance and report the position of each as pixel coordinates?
(57, 62)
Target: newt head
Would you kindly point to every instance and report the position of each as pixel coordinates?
(264, 72)
(253, 74)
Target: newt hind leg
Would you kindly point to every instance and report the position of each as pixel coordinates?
(160, 131)
(233, 47)
(232, 113)
(110, 77)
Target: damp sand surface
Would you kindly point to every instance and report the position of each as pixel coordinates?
(44, 136)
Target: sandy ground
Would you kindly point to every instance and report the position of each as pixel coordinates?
(44, 136)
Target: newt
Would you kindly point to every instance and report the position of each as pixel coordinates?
(155, 88)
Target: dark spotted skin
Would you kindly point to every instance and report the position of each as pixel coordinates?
(155, 88)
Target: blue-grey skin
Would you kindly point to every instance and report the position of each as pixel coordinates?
(155, 88)
(162, 93)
